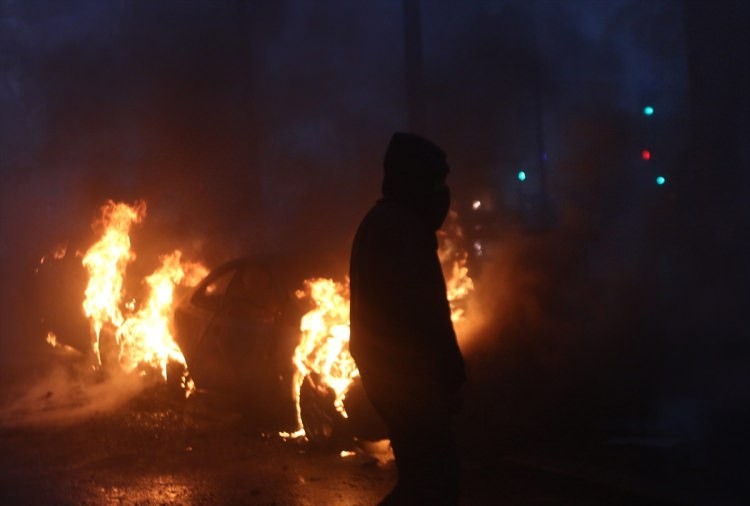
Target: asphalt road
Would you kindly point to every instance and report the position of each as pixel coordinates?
(67, 441)
(157, 450)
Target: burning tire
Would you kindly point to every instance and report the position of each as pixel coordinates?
(363, 422)
(324, 426)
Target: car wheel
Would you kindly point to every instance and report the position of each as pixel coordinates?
(324, 426)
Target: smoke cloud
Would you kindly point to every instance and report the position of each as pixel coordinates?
(259, 128)
(59, 388)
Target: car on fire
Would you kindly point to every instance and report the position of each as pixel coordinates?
(238, 329)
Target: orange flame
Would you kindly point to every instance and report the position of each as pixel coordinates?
(52, 341)
(106, 262)
(454, 258)
(143, 336)
(324, 341)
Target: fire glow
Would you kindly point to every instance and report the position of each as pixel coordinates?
(142, 331)
(142, 334)
(324, 330)
(454, 259)
(324, 342)
(145, 337)
(106, 262)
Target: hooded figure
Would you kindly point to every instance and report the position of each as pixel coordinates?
(402, 337)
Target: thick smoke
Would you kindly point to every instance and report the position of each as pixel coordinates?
(60, 389)
(259, 128)
(247, 129)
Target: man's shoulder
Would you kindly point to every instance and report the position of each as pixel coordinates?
(390, 215)
(392, 226)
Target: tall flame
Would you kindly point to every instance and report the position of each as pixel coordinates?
(106, 262)
(143, 335)
(324, 342)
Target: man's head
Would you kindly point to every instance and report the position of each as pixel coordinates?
(412, 166)
(414, 172)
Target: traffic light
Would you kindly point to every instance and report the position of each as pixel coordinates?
(660, 180)
(522, 175)
(648, 110)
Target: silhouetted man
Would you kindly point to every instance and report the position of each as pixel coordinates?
(402, 337)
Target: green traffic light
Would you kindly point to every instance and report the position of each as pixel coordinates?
(648, 110)
(522, 176)
(661, 180)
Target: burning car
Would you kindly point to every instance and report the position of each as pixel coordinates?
(243, 329)
(238, 330)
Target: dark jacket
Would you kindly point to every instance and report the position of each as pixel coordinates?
(402, 337)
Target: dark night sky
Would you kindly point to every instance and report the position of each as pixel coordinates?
(259, 127)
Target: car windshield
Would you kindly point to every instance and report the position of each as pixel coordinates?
(255, 286)
(211, 294)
